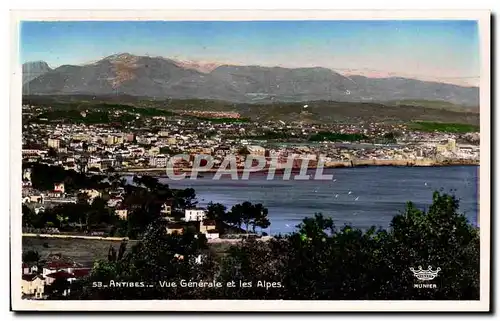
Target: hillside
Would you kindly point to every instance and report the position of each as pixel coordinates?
(316, 112)
(162, 78)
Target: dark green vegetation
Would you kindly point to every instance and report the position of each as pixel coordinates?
(225, 120)
(74, 116)
(318, 262)
(167, 151)
(31, 257)
(337, 137)
(436, 104)
(317, 111)
(43, 178)
(443, 127)
(83, 112)
(267, 135)
(246, 213)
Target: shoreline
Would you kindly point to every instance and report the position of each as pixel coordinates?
(346, 164)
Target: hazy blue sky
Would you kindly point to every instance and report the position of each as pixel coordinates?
(423, 49)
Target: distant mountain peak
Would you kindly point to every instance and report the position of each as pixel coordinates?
(201, 66)
(33, 69)
(119, 56)
(39, 64)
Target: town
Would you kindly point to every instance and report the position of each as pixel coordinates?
(133, 141)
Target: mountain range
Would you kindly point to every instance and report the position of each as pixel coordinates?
(158, 77)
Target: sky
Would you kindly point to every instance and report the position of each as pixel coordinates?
(441, 50)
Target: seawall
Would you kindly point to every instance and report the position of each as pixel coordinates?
(333, 164)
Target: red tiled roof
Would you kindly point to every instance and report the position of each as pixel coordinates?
(31, 277)
(208, 222)
(60, 275)
(78, 273)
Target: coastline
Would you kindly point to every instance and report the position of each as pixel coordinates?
(340, 164)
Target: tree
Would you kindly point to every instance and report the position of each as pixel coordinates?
(243, 151)
(158, 257)
(317, 227)
(52, 153)
(441, 237)
(43, 178)
(248, 214)
(29, 217)
(116, 181)
(216, 211)
(260, 218)
(113, 256)
(58, 289)
(166, 150)
(83, 198)
(323, 262)
(235, 217)
(185, 198)
(98, 213)
(31, 257)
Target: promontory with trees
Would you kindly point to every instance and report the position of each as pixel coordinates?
(93, 203)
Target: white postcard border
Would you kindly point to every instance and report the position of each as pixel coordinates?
(483, 18)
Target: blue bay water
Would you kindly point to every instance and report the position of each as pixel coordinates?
(362, 197)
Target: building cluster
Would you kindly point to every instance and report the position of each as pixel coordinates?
(210, 114)
(100, 148)
(39, 201)
(38, 276)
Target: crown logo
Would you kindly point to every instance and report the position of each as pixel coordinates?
(425, 275)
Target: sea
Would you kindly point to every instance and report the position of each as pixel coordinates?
(361, 197)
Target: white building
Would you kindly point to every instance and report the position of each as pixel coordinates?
(27, 174)
(166, 209)
(195, 214)
(39, 209)
(52, 142)
(256, 150)
(212, 235)
(158, 161)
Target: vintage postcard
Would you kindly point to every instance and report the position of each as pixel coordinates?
(250, 161)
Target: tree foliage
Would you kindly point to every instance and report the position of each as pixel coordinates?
(43, 178)
(249, 215)
(317, 262)
(31, 257)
